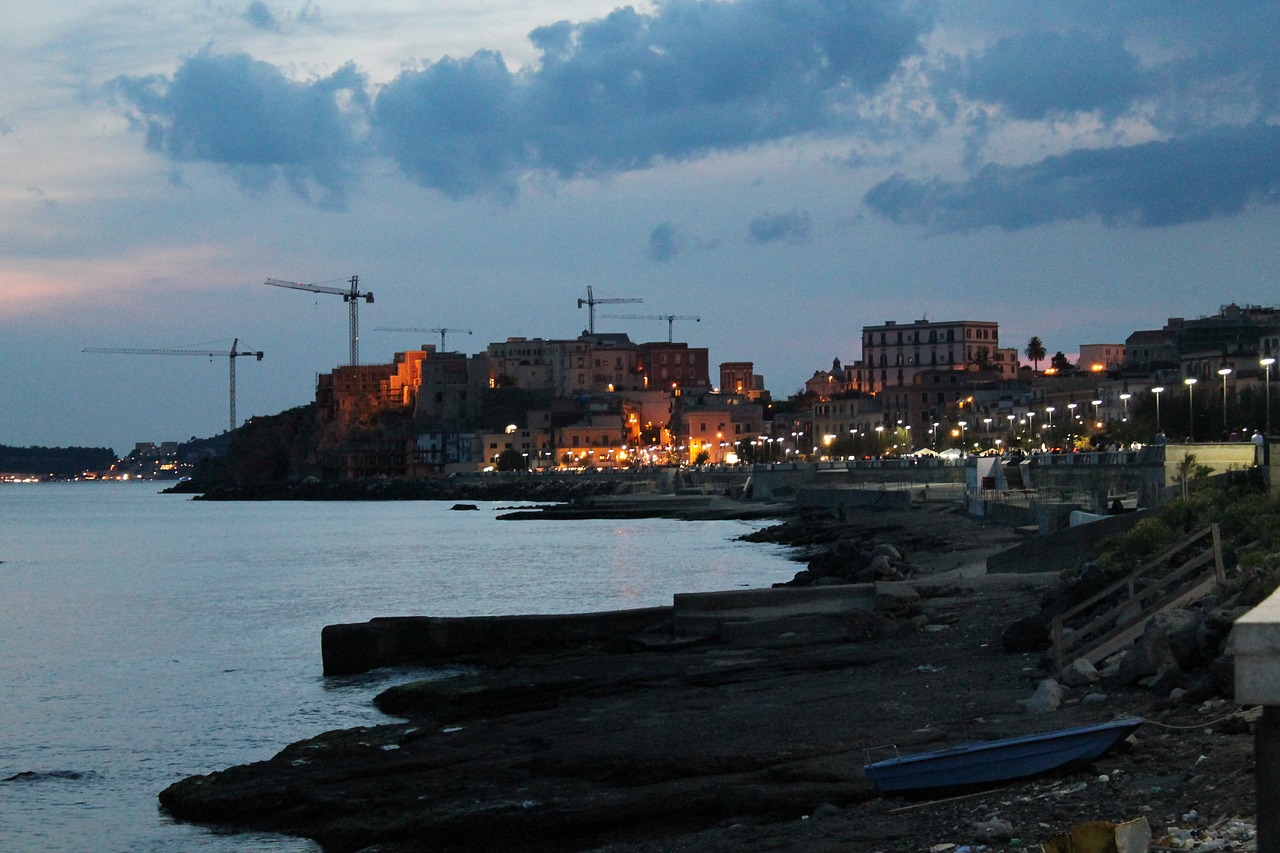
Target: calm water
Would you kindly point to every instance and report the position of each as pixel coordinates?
(148, 637)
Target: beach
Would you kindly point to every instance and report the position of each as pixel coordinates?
(756, 741)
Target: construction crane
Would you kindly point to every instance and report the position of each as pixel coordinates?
(670, 318)
(591, 302)
(230, 356)
(436, 331)
(351, 296)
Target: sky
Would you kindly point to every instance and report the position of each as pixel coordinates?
(787, 171)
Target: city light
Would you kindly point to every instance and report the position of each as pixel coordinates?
(1190, 382)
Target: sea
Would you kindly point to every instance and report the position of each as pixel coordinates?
(147, 637)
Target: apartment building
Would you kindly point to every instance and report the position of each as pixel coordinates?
(893, 353)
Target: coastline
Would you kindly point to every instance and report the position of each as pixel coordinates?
(735, 741)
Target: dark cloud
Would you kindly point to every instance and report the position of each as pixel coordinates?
(1207, 175)
(613, 94)
(259, 16)
(247, 116)
(1038, 74)
(666, 241)
(455, 126)
(770, 228)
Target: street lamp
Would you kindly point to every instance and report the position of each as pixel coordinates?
(1224, 372)
(963, 424)
(1124, 398)
(1096, 404)
(1157, 390)
(934, 433)
(1190, 382)
(1048, 410)
(1266, 364)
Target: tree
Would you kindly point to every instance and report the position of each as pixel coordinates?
(1035, 351)
(1059, 362)
(1187, 471)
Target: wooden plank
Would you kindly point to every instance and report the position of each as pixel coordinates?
(1081, 637)
(1141, 570)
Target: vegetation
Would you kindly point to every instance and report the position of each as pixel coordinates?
(1035, 351)
(1248, 519)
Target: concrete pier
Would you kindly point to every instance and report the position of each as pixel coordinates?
(1256, 637)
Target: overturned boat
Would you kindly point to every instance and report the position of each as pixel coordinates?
(997, 761)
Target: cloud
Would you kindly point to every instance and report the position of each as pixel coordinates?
(769, 228)
(614, 94)
(1207, 175)
(666, 241)
(1037, 74)
(260, 17)
(669, 239)
(246, 115)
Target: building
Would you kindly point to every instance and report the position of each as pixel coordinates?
(893, 354)
(1098, 358)
(739, 377)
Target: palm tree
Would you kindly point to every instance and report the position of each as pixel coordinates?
(1035, 351)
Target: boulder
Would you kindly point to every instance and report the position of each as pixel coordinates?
(897, 599)
(884, 549)
(1080, 673)
(1150, 654)
(1048, 697)
(1182, 627)
(1029, 634)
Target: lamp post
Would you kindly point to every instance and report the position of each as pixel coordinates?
(1124, 399)
(934, 433)
(1096, 404)
(1224, 372)
(1266, 365)
(1190, 382)
(963, 424)
(1157, 390)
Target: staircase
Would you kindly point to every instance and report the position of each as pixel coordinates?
(1118, 626)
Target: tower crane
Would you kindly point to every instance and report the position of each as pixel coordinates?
(439, 330)
(351, 296)
(670, 318)
(230, 356)
(591, 302)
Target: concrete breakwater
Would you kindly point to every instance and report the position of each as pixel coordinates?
(433, 640)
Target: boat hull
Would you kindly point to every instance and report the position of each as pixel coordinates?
(999, 760)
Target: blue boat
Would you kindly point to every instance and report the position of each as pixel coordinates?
(995, 761)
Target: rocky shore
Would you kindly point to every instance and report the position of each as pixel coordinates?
(755, 740)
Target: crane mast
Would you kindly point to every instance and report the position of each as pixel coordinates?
(670, 318)
(439, 330)
(591, 302)
(230, 356)
(352, 296)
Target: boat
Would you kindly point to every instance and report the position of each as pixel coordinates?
(996, 761)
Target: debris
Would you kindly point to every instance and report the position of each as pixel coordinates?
(1102, 836)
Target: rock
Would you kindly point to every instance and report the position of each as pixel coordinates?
(1080, 673)
(884, 549)
(464, 507)
(1150, 654)
(1029, 634)
(1093, 699)
(880, 566)
(1165, 679)
(897, 599)
(1048, 697)
(1183, 627)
